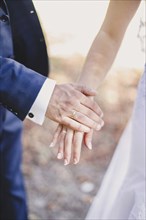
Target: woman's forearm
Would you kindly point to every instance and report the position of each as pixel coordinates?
(99, 60)
(107, 42)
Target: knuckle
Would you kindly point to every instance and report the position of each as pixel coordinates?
(60, 114)
(67, 124)
(62, 118)
(81, 117)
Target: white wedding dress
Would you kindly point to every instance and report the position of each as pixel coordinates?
(122, 195)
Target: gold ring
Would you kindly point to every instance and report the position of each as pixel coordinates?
(73, 115)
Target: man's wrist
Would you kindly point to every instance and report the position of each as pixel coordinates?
(39, 107)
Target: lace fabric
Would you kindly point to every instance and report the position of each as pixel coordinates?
(141, 34)
(138, 212)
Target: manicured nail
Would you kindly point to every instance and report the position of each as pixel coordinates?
(65, 162)
(51, 145)
(75, 161)
(89, 145)
(59, 156)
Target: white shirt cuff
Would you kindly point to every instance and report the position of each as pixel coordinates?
(39, 107)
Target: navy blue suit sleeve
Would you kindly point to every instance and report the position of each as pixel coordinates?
(19, 86)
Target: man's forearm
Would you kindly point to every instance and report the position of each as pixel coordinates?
(38, 109)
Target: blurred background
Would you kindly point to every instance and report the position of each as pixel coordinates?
(54, 191)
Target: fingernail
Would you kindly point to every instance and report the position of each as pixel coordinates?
(102, 123)
(59, 156)
(51, 145)
(65, 162)
(89, 146)
(101, 115)
(75, 161)
(98, 127)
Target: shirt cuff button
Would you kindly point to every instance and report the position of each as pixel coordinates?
(31, 115)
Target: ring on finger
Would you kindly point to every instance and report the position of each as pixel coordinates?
(74, 114)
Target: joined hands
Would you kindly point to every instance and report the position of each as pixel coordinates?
(71, 106)
(78, 115)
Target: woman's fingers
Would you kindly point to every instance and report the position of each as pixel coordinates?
(56, 135)
(61, 143)
(69, 145)
(88, 139)
(68, 141)
(77, 145)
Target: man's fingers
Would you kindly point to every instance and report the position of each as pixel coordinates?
(91, 114)
(72, 98)
(92, 105)
(83, 119)
(71, 123)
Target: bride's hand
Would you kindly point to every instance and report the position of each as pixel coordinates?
(70, 142)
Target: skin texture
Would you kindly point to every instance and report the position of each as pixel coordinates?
(97, 64)
(74, 103)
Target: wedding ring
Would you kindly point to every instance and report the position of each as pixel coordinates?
(73, 115)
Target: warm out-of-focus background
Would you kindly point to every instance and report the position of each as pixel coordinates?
(57, 192)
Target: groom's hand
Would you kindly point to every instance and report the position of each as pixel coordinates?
(70, 106)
